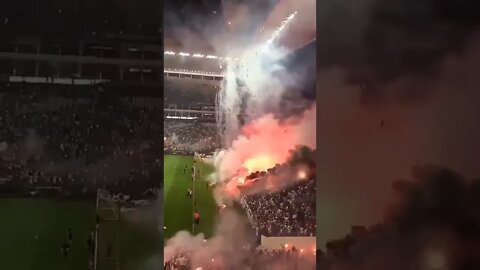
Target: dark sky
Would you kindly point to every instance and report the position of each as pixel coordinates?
(192, 14)
(72, 17)
(209, 18)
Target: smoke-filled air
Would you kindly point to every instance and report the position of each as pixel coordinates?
(267, 147)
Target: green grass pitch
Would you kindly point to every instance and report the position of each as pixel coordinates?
(137, 244)
(23, 219)
(178, 207)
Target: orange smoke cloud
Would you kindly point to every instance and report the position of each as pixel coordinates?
(259, 163)
(265, 142)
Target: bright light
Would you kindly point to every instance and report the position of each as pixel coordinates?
(302, 175)
(259, 163)
(241, 180)
(199, 55)
(181, 117)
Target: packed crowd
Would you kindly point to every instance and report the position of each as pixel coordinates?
(290, 212)
(190, 137)
(76, 141)
(257, 259)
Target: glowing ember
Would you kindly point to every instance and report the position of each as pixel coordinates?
(302, 175)
(241, 180)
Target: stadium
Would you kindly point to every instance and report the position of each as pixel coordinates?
(239, 142)
(80, 87)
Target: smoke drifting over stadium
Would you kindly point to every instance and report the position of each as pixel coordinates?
(264, 122)
(433, 223)
(379, 42)
(398, 116)
(265, 142)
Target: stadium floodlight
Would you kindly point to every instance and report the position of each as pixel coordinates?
(198, 55)
(181, 117)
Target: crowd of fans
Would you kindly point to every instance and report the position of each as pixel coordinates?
(190, 136)
(290, 212)
(76, 141)
(291, 258)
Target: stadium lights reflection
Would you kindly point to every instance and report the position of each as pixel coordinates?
(199, 55)
(192, 72)
(182, 117)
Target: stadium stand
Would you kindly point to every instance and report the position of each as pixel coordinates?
(73, 141)
(290, 212)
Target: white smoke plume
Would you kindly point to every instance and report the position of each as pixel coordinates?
(230, 234)
(253, 86)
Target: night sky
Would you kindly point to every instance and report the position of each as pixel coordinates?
(191, 14)
(71, 18)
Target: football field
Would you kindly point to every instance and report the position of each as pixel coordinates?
(33, 230)
(178, 206)
(133, 245)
